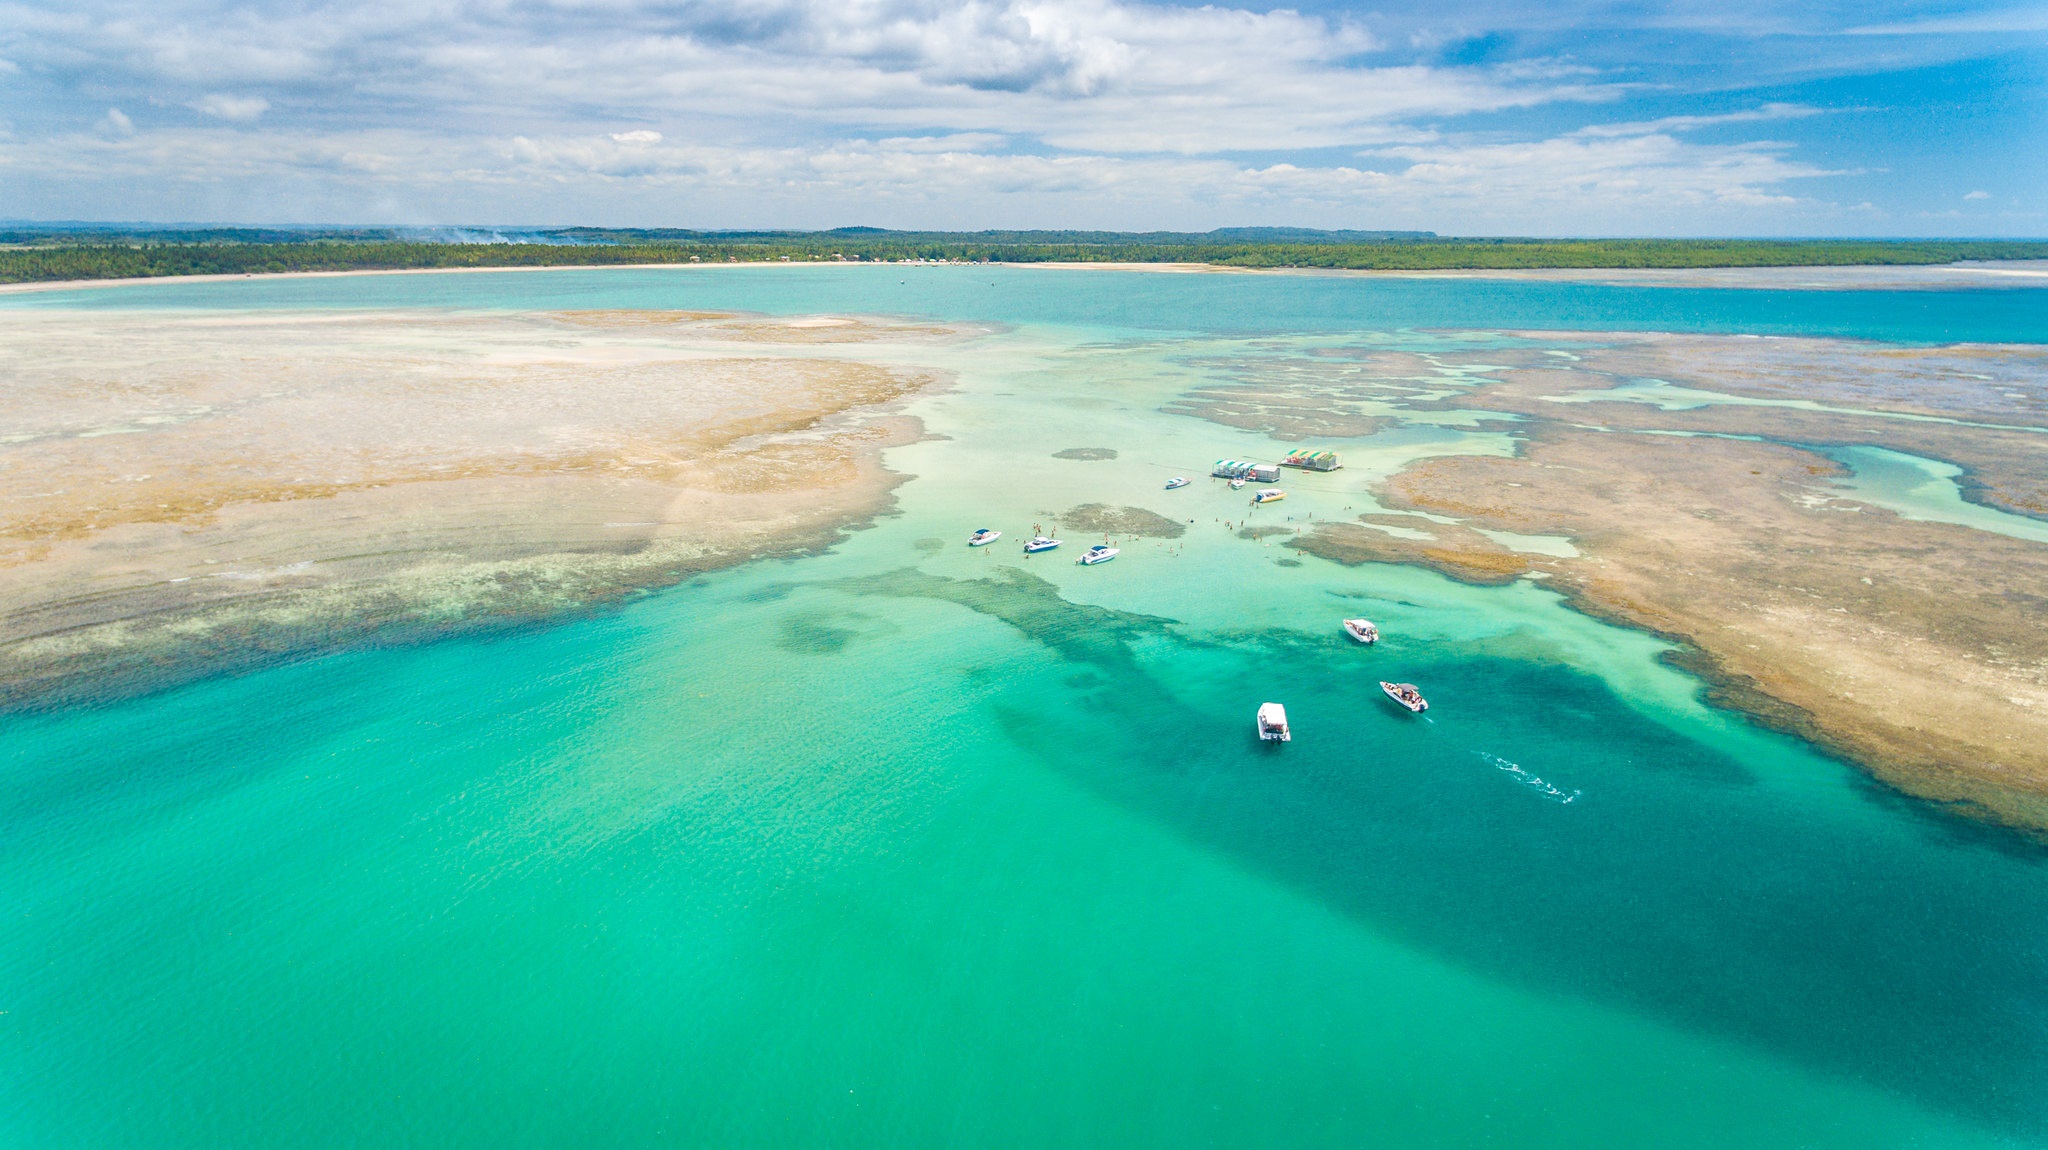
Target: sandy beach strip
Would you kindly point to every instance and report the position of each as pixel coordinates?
(1843, 277)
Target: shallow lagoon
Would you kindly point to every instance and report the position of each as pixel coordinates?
(907, 844)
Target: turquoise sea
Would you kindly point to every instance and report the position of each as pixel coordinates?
(908, 845)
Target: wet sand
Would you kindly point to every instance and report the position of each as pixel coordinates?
(188, 493)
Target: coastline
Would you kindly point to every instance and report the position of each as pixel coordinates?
(1826, 277)
(84, 285)
(1821, 277)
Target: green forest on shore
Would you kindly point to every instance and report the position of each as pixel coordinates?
(51, 254)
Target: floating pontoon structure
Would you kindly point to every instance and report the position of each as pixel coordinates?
(1239, 469)
(1309, 460)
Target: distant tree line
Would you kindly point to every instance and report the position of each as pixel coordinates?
(32, 256)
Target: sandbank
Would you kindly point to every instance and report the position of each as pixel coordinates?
(1917, 649)
(182, 494)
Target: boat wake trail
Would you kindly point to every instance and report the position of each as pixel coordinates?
(1528, 780)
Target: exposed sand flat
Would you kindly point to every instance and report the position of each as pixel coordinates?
(1984, 408)
(1917, 648)
(174, 485)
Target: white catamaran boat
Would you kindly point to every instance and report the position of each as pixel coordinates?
(1362, 630)
(983, 536)
(1406, 695)
(1273, 723)
(1268, 497)
(1040, 543)
(1100, 553)
(1176, 481)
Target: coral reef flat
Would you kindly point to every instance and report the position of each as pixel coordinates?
(192, 490)
(1688, 474)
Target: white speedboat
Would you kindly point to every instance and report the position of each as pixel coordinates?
(1237, 484)
(1176, 481)
(1100, 553)
(983, 536)
(1362, 630)
(1406, 695)
(1273, 723)
(1040, 543)
(1268, 497)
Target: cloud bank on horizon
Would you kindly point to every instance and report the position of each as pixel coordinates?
(1463, 117)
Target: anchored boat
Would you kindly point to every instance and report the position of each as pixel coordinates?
(1362, 630)
(1268, 497)
(1273, 724)
(1406, 695)
(1176, 481)
(1237, 484)
(983, 536)
(1100, 553)
(1040, 543)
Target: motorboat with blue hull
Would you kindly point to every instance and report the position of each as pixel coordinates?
(1100, 553)
(1040, 543)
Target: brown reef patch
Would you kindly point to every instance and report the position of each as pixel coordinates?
(181, 494)
(1129, 522)
(1918, 649)
(1943, 392)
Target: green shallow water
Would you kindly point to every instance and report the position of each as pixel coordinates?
(911, 845)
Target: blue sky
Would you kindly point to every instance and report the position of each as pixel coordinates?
(1737, 117)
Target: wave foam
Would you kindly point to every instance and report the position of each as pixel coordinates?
(1528, 780)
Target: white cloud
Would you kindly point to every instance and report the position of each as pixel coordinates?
(897, 110)
(957, 142)
(1087, 74)
(1978, 196)
(1689, 123)
(1588, 175)
(117, 122)
(234, 109)
(1561, 184)
(2011, 20)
